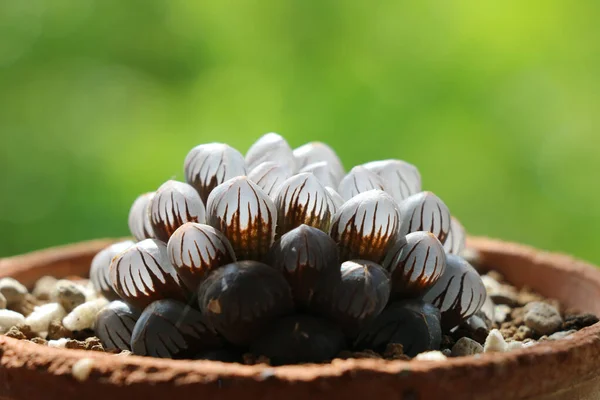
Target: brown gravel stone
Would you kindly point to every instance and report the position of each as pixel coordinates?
(92, 343)
(26, 329)
(16, 333)
(395, 351)
(578, 321)
(21, 332)
(508, 332)
(39, 340)
(56, 331)
(523, 332)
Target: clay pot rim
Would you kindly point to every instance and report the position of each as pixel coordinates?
(26, 351)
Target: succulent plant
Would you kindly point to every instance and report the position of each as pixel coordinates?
(174, 204)
(400, 179)
(459, 293)
(366, 226)
(306, 256)
(415, 262)
(269, 176)
(359, 180)
(114, 325)
(455, 242)
(290, 258)
(270, 147)
(209, 165)
(299, 339)
(360, 294)
(142, 274)
(412, 323)
(197, 249)
(139, 217)
(323, 172)
(245, 215)
(425, 212)
(315, 152)
(172, 329)
(240, 299)
(302, 199)
(100, 268)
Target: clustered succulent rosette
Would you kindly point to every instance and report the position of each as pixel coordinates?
(282, 254)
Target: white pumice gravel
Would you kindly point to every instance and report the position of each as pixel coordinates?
(68, 294)
(13, 291)
(90, 292)
(43, 287)
(59, 343)
(514, 345)
(84, 315)
(561, 335)
(40, 318)
(434, 355)
(9, 318)
(501, 312)
(495, 342)
(82, 368)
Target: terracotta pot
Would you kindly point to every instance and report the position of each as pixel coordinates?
(565, 369)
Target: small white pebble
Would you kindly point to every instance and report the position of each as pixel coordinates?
(501, 312)
(494, 343)
(44, 287)
(60, 343)
(2, 301)
(68, 294)
(514, 345)
(90, 292)
(561, 335)
(491, 285)
(13, 290)
(431, 356)
(81, 369)
(84, 315)
(529, 343)
(9, 318)
(40, 318)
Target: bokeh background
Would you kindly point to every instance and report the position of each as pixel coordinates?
(497, 103)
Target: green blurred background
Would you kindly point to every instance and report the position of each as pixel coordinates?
(497, 103)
